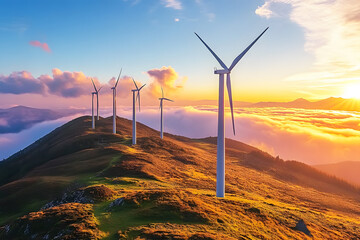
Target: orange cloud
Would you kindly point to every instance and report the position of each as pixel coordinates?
(44, 46)
(167, 78)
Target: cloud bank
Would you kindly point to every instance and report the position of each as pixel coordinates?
(76, 84)
(20, 83)
(64, 84)
(44, 46)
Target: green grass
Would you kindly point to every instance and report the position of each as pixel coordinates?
(123, 217)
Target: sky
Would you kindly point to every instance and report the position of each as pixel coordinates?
(51, 49)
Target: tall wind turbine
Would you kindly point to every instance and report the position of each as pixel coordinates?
(114, 103)
(220, 165)
(97, 99)
(134, 110)
(161, 112)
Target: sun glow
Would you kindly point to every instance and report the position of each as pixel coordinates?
(352, 91)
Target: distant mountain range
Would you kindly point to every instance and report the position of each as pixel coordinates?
(332, 103)
(349, 171)
(16, 119)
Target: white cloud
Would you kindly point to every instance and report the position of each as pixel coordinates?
(332, 34)
(264, 10)
(175, 4)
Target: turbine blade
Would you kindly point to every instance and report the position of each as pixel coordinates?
(237, 59)
(162, 92)
(228, 85)
(99, 89)
(214, 54)
(168, 99)
(118, 78)
(93, 84)
(135, 84)
(142, 86)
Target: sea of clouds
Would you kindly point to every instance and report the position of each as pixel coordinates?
(309, 136)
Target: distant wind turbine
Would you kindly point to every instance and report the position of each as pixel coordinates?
(114, 103)
(97, 99)
(134, 110)
(161, 114)
(220, 165)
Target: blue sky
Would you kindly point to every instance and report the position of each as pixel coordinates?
(98, 37)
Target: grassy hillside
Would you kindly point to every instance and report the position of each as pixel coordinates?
(348, 171)
(91, 184)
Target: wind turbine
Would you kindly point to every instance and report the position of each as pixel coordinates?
(97, 99)
(134, 110)
(114, 103)
(220, 165)
(161, 114)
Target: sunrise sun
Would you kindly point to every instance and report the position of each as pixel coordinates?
(352, 91)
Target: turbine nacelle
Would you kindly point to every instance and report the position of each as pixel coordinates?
(221, 71)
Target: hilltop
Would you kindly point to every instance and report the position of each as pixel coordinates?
(79, 183)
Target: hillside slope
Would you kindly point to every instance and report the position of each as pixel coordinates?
(91, 184)
(349, 171)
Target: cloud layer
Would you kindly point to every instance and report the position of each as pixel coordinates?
(309, 136)
(332, 35)
(44, 46)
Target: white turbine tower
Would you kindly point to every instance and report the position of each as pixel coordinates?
(220, 165)
(97, 99)
(134, 110)
(114, 103)
(161, 113)
(92, 110)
